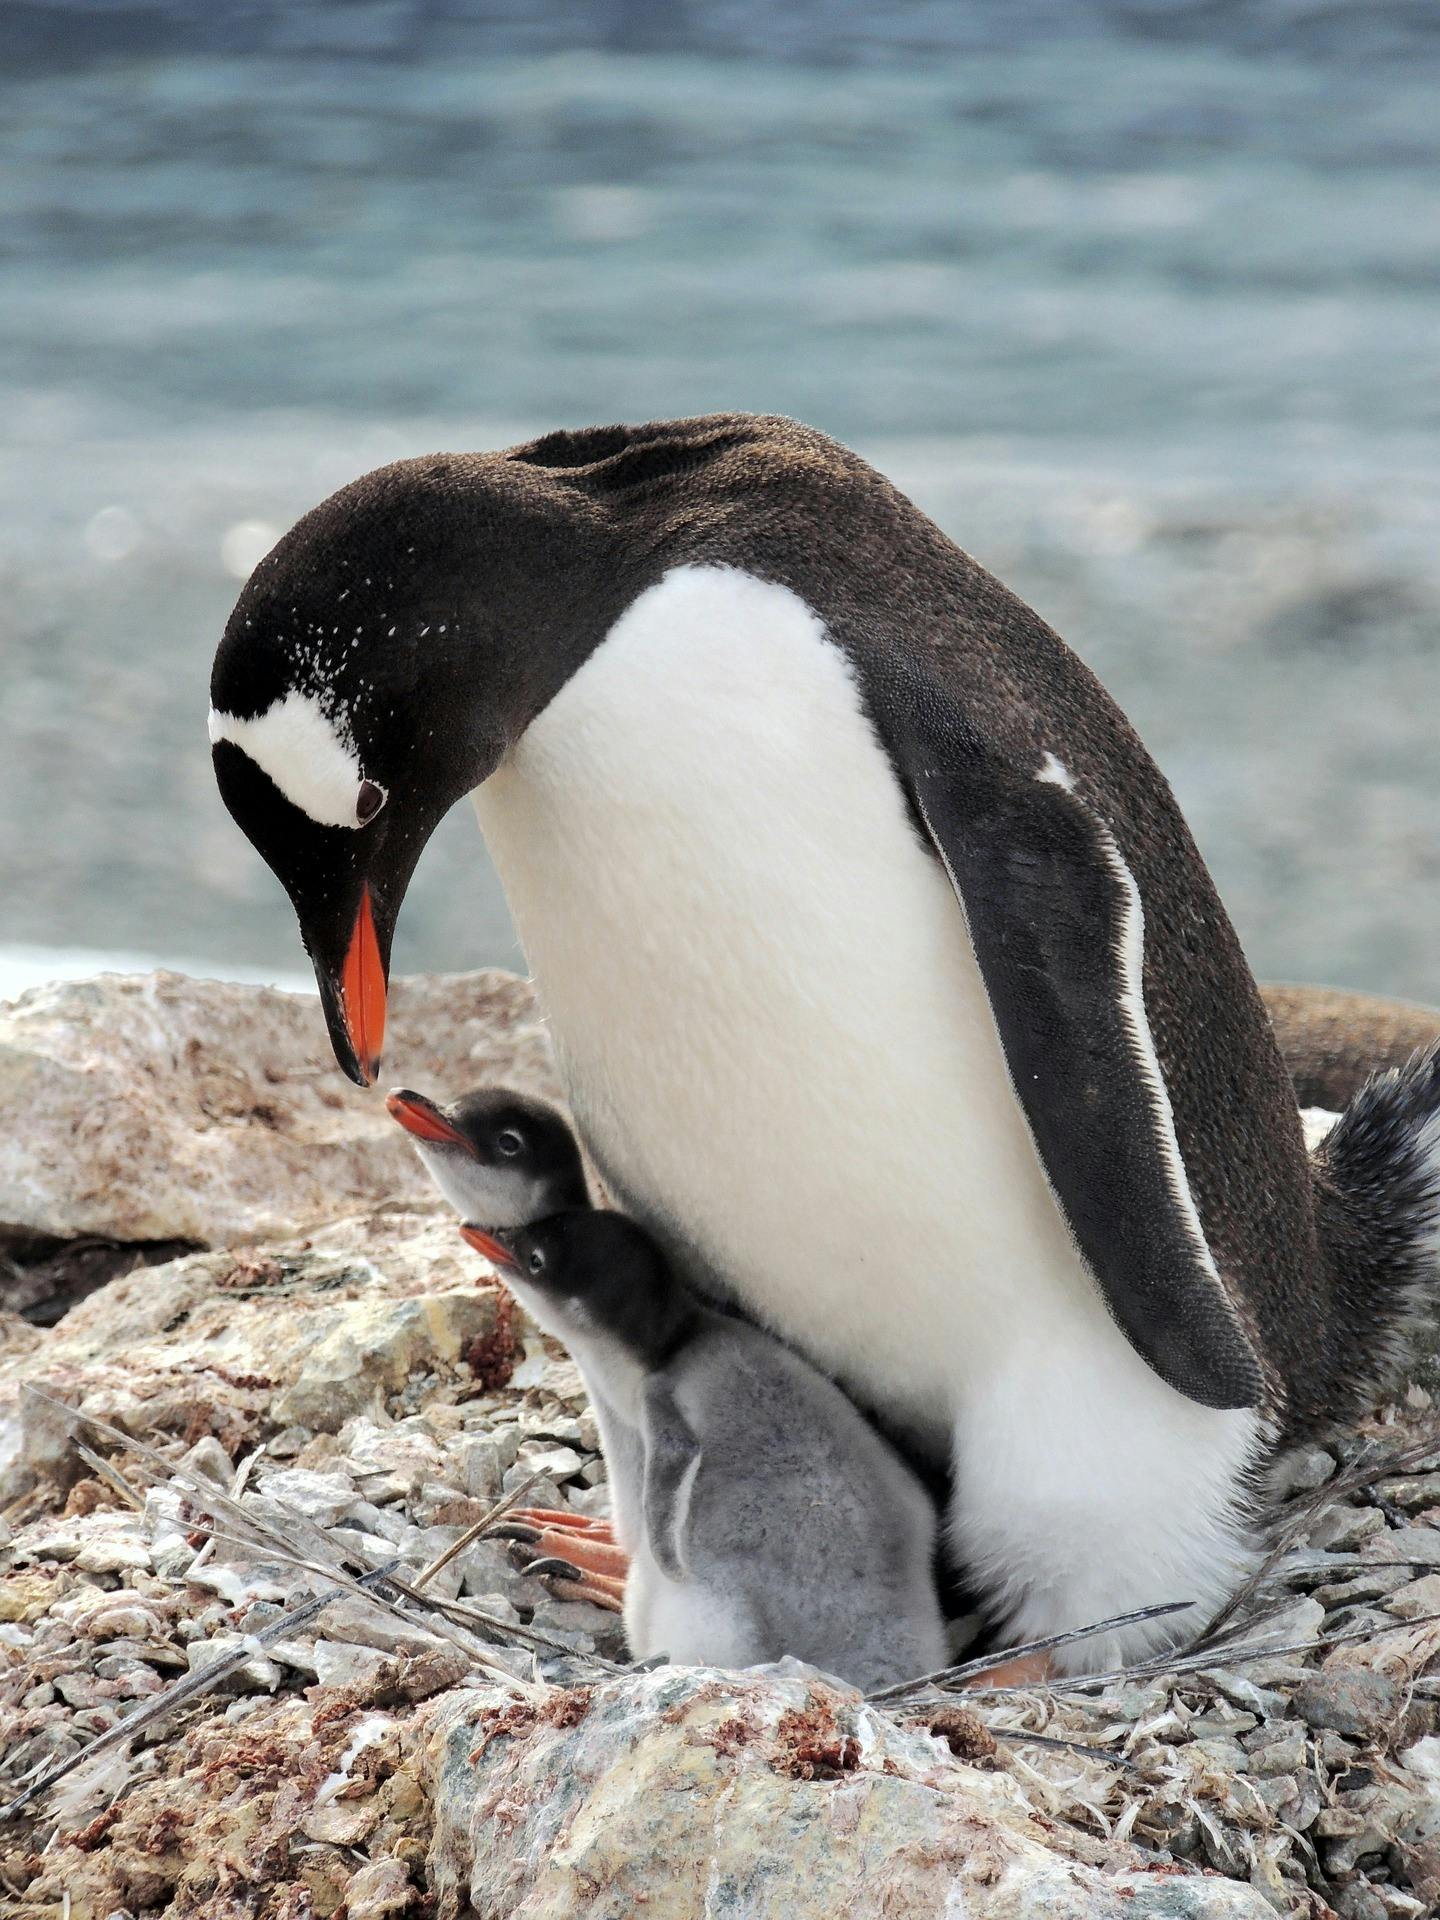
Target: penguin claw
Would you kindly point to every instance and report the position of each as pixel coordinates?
(512, 1529)
(591, 1554)
(566, 1582)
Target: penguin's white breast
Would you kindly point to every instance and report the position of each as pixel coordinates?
(765, 1004)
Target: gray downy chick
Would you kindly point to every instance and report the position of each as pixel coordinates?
(761, 1514)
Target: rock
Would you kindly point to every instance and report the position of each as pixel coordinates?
(384, 1886)
(125, 1622)
(379, 1347)
(1243, 1690)
(687, 1793)
(1300, 1471)
(1373, 1584)
(1344, 1529)
(556, 1463)
(484, 1458)
(152, 1117)
(1411, 1493)
(1420, 1546)
(258, 1671)
(1350, 1699)
(1277, 1748)
(322, 1497)
(339, 1665)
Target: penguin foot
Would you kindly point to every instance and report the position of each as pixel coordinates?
(543, 1519)
(1030, 1670)
(590, 1548)
(566, 1581)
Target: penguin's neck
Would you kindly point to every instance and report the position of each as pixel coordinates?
(764, 1003)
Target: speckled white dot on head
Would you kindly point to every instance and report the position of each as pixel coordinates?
(307, 753)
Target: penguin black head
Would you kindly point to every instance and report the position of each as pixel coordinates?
(495, 1155)
(400, 638)
(594, 1272)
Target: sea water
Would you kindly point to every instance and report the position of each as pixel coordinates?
(1140, 301)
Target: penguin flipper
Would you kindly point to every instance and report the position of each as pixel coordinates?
(672, 1460)
(1058, 928)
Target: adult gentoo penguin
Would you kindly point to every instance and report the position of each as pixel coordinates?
(888, 987)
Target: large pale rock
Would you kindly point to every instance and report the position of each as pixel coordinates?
(358, 1314)
(159, 1107)
(686, 1793)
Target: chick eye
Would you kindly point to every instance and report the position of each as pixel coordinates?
(536, 1262)
(509, 1143)
(369, 801)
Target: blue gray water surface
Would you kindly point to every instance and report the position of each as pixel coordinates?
(1139, 300)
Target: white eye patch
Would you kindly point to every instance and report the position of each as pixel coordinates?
(311, 760)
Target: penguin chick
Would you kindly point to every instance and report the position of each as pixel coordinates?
(762, 1515)
(497, 1156)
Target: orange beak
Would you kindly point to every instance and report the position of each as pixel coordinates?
(362, 992)
(422, 1118)
(495, 1251)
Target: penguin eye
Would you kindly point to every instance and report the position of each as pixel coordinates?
(369, 801)
(536, 1262)
(509, 1143)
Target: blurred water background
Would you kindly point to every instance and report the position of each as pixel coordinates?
(1139, 300)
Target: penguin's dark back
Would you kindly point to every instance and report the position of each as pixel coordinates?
(939, 645)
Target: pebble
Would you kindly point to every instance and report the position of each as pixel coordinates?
(483, 1459)
(113, 1556)
(1279, 1747)
(1244, 1691)
(321, 1497)
(1300, 1471)
(485, 1568)
(1412, 1493)
(1350, 1699)
(337, 1665)
(1221, 1720)
(1373, 1584)
(1343, 1529)
(121, 1623)
(371, 1549)
(563, 1428)
(544, 1493)
(593, 1499)
(257, 1672)
(496, 1605)
(381, 1887)
(382, 1521)
(209, 1459)
(1335, 1753)
(1420, 1546)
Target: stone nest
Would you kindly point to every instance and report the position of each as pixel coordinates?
(258, 1407)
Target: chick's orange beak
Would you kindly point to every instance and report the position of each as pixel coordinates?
(362, 992)
(495, 1251)
(422, 1119)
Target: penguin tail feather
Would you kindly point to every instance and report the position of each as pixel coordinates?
(1377, 1179)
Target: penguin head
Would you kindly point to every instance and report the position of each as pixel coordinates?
(379, 663)
(593, 1273)
(393, 647)
(495, 1155)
